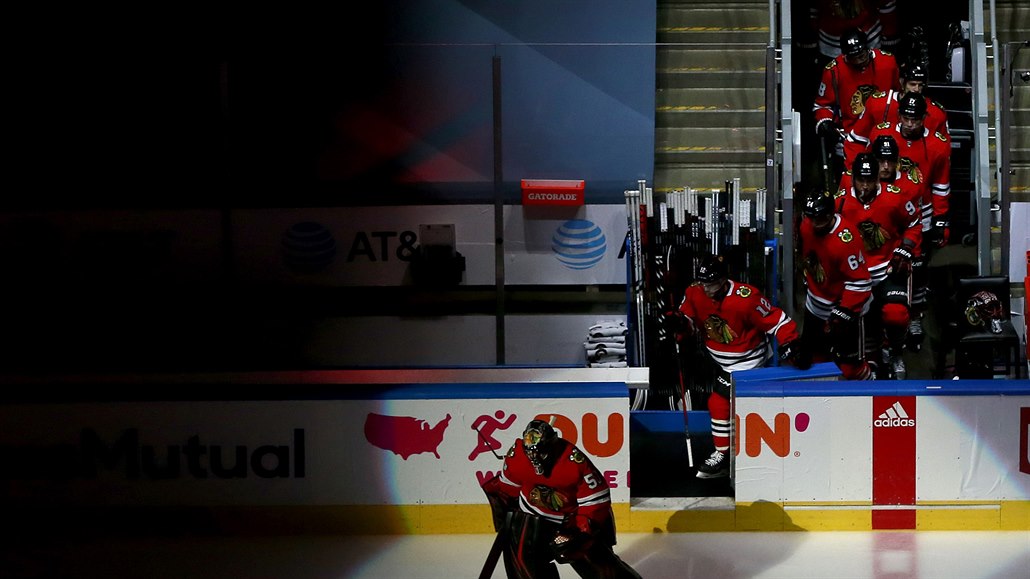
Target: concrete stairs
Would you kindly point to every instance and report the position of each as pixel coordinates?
(710, 94)
(1013, 20)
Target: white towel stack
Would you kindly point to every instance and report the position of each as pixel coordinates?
(606, 344)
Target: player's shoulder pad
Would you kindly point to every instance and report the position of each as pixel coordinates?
(744, 291)
(576, 456)
(845, 235)
(893, 188)
(883, 125)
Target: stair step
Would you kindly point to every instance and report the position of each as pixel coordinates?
(673, 176)
(718, 23)
(730, 16)
(706, 68)
(1020, 119)
(699, 116)
(729, 57)
(708, 138)
(1019, 181)
(1011, 20)
(710, 107)
(752, 98)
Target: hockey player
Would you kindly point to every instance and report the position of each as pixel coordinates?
(885, 150)
(830, 19)
(848, 80)
(555, 506)
(882, 107)
(926, 158)
(839, 287)
(738, 322)
(889, 224)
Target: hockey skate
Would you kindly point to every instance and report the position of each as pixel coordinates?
(715, 466)
(898, 370)
(914, 340)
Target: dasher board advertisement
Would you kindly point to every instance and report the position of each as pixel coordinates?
(967, 442)
(389, 445)
(375, 246)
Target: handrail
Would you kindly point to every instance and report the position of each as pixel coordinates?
(785, 111)
(981, 165)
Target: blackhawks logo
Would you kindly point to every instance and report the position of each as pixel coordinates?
(910, 168)
(814, 269)
(873, 235)
(858, 99)
(744, 291)
(545, 497)
(718, 330)
(576, 456)
(845, 235)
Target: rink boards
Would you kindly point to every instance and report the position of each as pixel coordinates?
(406, 451)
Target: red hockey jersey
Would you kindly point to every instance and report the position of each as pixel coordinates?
(843, 91)
(832, 18)
(835, 269)
(737, 327)
(891, 217)
(910, 191)
(882, 107)
(925, 160)
(574, 489)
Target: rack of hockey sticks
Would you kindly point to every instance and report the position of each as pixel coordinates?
(669, 236)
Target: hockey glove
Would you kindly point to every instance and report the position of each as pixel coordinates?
(797, 355)
(827, 128)
(839, 318)
(940, 232)
(571, 545)
(901, 261)
(674, 320)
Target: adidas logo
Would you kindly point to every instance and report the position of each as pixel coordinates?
(894, 416)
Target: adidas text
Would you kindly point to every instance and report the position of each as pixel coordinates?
(894, 422)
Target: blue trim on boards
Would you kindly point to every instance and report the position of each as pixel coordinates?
(884, 388)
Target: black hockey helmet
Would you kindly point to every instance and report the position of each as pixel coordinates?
(885, 147)
(818, 204)
(912, 104)
(864, 166)
(538, 440)
(712, 269)
(914, 71)
(854, 42)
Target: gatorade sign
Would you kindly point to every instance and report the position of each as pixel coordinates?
(552, 192)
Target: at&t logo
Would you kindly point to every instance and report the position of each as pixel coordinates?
(579, 244)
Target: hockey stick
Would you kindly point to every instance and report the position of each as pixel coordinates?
(683, 399)
(828, 187)
(495, 550)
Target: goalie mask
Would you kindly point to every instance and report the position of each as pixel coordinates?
(538, 440)
(985, 309)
